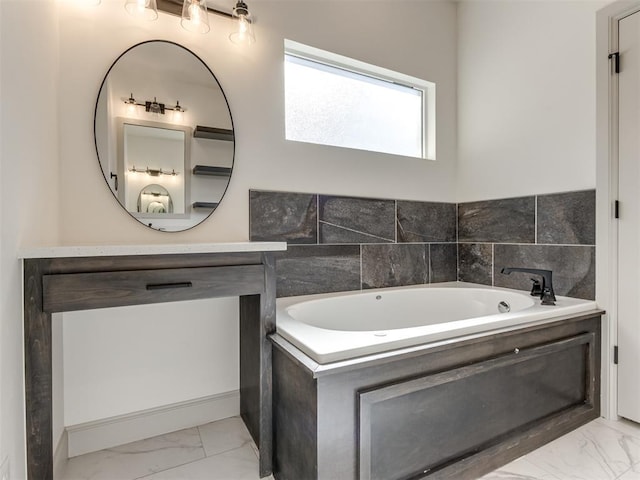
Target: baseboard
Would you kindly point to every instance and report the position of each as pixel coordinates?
(110, 432)
(61, 455)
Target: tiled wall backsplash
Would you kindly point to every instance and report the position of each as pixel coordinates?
(345, 243)
(554, 232)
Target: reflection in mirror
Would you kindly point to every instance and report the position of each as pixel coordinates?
(150, 152)
(164, 136)
(154, 198)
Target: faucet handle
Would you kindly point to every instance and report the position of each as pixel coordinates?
(536, 288)
(547, 296)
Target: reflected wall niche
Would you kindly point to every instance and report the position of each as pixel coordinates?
(164, 136)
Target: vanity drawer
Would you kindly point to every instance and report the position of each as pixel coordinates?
(83, 291)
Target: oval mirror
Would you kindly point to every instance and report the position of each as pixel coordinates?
(164, 136)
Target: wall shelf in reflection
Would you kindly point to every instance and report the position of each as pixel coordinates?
(212, 171)
(213, 133)
(205, 205)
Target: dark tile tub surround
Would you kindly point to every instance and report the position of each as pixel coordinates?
(509, 220)
(285, 216)
(573, 267)
(560, 237)
(317, 269)
(426, 222)
(394, 265)
(567, 218)
(475, 263)
(349, 243)
(356, 220)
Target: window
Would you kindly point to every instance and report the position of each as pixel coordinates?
(334, 100)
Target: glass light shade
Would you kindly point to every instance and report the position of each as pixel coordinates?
(144, 9)
(244, 33)
(194, 16)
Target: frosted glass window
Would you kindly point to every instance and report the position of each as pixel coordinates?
(334, 106)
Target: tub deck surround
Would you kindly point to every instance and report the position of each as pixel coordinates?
(59, 279)
(491, 397)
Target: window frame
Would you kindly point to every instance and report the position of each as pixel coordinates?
(333, 60)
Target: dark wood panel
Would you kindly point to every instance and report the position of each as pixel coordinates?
(295, 420)
(65, 284)
(82, 291)
(38, 376)
(146, 262)
(257, 320)
(423, 425)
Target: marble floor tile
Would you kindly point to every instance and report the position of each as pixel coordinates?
(224, 450)
(595, 451)
(630, 475)
(238, 464)
(625, 426)
(223, 435)
(137, 459)
(520, 469)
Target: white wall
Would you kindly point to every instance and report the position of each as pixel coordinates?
(28, 189)
(121, 344)
(526, 97)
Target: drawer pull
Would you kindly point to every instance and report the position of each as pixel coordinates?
(164, 286)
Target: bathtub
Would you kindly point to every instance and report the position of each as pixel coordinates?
(339, 326)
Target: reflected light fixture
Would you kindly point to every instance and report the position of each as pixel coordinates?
(154, 172)
(178, 113)
(144, 9)
(194, 16)
(154, 107)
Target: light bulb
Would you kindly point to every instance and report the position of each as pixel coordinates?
(194, 13)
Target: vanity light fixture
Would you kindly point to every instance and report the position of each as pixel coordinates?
(154, 107)
(194, 15)
(154, 172)
(244, 35)
(144, 9)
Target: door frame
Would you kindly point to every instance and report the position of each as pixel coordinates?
(607, 20)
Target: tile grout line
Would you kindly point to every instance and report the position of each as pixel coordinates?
(361, 279)
(458, 240)
(317, 219)
(535, 221)
(493, 264)
(395, 211)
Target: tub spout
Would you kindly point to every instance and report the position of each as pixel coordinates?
(547, 295)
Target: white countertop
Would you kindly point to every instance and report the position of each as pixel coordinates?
(160, 249)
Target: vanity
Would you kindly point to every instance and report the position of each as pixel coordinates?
(62, 279)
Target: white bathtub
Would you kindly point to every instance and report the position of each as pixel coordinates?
(333, 327)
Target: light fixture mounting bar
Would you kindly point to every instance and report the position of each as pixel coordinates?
(174, 7)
